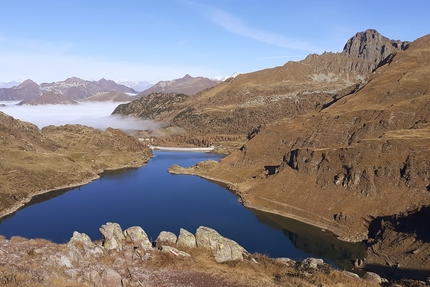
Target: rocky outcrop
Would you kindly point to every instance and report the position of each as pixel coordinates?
(166, 237)
(223, 248)
(138, 237)
(112, 236)
(186, 239)
(24, 262)
(371, 46)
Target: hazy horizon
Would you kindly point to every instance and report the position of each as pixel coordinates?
(97, 115)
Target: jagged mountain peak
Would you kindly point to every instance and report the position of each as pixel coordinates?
(372, 46)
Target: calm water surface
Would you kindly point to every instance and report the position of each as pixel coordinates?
(152, 198)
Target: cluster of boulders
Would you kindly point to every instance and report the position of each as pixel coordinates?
(133, 243)
(224, 249)
(119, 258)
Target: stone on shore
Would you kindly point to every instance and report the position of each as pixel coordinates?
(138, 237)
(224, 249)
(112, 236)
(186, 239)
(166, 237)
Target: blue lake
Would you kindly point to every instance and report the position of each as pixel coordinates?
(157, 201)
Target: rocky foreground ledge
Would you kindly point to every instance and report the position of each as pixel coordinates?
(129, 258)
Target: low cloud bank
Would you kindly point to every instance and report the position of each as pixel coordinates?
(95, 115)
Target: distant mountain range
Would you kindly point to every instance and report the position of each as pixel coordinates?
(72, 88)
(9, 84)
(75, 89)
(187, 85)
(138, 86)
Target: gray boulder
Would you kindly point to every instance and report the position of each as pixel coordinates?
(80, 241)
(311, 263)
(186, 239)
(112, 236)
(138, 237)
(80, 246)
(166, 237)
(224, 249)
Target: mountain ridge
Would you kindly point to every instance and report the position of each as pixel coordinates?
(72, 88)
(186, 85)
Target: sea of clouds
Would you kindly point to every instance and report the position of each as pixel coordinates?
(94, 114)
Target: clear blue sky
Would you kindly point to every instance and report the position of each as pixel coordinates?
(51, 40)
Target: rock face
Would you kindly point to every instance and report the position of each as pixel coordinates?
(372, 46)
(112, 236)
(186, 239)
(166, 237)
(138, 237)
(224, 249)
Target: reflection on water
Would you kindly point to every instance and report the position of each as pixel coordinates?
(313, 240)
(152, 198)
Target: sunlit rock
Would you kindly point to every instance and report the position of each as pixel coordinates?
(166, 237)
(112, 236)
(138, 237)
(186, 239)
(224, 249)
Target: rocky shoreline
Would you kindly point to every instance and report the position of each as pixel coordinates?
(128, 258)
(196, 171)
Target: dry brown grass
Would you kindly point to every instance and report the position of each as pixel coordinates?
(266, 273)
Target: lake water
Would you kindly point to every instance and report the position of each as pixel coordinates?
(157, 201)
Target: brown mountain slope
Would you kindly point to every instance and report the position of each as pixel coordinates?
(34, 161)
(26, 90)
(49, 98)
(187, 85)
(235, 106)
(110, 96)
(366, 155)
